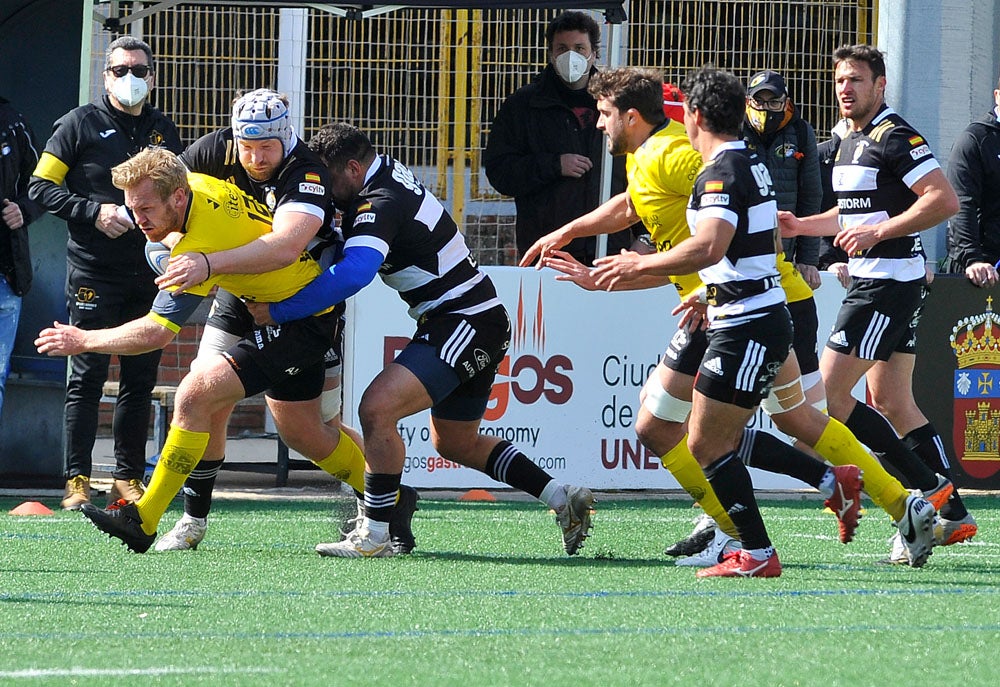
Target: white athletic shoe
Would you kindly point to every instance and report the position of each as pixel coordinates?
(574, 518)
(186, 534)
(916, 530)
(360, 543)
(720, 546)
(897, 552)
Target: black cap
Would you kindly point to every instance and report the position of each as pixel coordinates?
(767, 81)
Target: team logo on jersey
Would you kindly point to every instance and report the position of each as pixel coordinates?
(976, 414)
(714, 186)
(155, 138)
(859, 151)
(364, 218)
(269, 199)
(714, 199)
(315, 189)
(233, 206)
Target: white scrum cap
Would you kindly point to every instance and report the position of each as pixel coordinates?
(260, 115)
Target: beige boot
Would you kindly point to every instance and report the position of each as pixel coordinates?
(77, 493)
(129, 489)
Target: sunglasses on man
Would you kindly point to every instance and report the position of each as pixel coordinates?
(138, 70)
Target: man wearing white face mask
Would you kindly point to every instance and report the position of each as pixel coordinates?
(544, 148)
(108, 281)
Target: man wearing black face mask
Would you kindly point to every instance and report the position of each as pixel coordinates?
(787, 145)
(544, 148)
(108, 281)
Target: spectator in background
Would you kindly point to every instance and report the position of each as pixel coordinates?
(974, 172)
(544, 148)
(108, 281)
(787, 144)
(18, 156)
(831, 258)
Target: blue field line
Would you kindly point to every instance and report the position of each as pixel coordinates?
(686, 630)
(507, 594)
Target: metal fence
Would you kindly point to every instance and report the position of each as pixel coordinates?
(425, 84)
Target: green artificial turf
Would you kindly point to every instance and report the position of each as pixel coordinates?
(488, 599)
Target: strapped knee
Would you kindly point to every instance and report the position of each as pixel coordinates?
(661, 404)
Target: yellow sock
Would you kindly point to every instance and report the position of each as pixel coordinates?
(346, 463)
(181, 453)
(837, 445)
(689, 475)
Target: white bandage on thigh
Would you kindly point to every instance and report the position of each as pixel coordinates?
(329, 404)
(661, 404)
(213, 341)
(784, 398)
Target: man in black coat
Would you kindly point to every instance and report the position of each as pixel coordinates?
(18, 156)
(545, 149)
(974, 172)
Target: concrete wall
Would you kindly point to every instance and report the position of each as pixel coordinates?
(942, 65)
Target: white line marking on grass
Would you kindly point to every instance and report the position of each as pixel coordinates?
(126, 672)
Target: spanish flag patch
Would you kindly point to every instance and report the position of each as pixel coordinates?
(714, 186)
(313, 177)
(916, 140)
(364, 206)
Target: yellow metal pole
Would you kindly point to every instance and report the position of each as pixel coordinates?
(444, 96)
(476, 102)
(461, 115)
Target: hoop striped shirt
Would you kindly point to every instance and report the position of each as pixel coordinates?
(873, 174)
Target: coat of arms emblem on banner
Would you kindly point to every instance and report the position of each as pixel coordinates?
(976, 432)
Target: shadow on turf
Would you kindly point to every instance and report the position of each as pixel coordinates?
(600, 558)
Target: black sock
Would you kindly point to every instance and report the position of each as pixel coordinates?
(767, 452)
(928, 445)
(875, 432)
(731, 482)
(380, 495)
(508, 465)
(198, 488)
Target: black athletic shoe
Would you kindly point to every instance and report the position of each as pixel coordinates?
(121, 520)
(697, 541)
(400, 530)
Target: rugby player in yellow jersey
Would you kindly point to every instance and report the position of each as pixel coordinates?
(661, 168)
(287, 361)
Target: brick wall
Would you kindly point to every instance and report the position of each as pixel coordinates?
(247, 419)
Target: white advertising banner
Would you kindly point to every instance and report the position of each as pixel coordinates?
(567, 392)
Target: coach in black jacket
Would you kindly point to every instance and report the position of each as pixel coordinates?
(108, 281)
(974, 172)
(544, 148)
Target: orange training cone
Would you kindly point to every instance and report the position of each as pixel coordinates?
(477, 495)
(31, 508)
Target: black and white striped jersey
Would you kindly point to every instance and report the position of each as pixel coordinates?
(425, 256)
(873, 173)
(735, 186)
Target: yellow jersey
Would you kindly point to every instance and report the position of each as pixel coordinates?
(661, 174)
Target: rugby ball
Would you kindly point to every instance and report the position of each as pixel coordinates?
(157, 255)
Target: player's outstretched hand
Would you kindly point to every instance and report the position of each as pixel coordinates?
(60, 339)
(572, 270)
(543, 248)
(615, 270)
